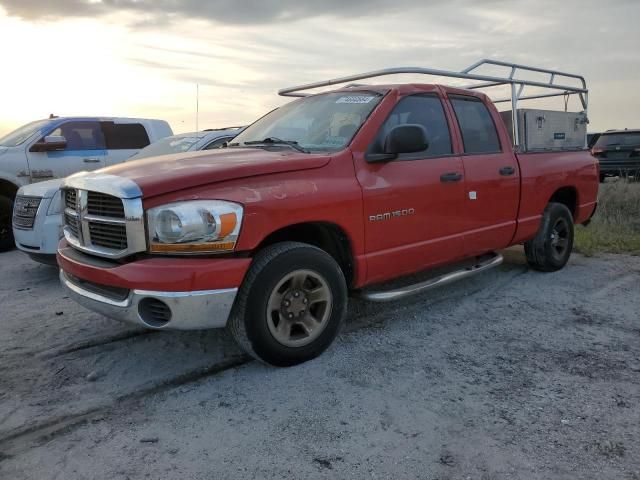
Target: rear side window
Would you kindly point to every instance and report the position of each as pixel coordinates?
(81, 135)
(479, 133)
(124, 136)
(623, 139)
(425, 110)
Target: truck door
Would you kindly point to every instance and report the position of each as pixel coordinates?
(492, 181)
(413, 204)
(122, 140)
(84, 151)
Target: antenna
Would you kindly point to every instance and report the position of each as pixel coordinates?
(197, 104)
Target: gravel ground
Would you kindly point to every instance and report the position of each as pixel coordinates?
(511, 374)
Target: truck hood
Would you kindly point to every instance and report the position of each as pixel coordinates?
(170, 173)
(45, 189)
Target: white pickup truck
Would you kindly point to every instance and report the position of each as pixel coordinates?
(60, 146)
(37, 219)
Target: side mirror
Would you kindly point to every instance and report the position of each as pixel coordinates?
(408, 138)
(49, 143)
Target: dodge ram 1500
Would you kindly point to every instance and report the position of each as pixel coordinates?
(325, 196)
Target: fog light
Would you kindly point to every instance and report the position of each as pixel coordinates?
(153, 312)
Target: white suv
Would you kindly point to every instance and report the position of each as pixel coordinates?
(58, 147)
(37, 216)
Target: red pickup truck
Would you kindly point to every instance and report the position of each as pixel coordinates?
(324, 196)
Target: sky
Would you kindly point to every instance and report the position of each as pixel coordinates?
(144, 58)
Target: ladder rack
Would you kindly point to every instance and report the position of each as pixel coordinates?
(512, 78)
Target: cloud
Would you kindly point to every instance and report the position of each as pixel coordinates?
(236, 12)
(242, 51)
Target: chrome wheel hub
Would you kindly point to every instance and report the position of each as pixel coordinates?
(299, 308)
(294, 304)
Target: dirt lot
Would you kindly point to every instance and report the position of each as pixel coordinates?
(512, 374)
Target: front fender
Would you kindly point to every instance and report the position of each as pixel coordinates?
(329, 194)
(14, 169)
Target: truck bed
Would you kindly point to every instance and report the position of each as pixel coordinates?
(542, 174)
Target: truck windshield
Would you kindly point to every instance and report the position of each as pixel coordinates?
(618, 138)
(166, 146)
(22, 134)
(325, 122)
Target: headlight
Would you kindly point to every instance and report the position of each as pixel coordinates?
(55, 207)
(198, 226)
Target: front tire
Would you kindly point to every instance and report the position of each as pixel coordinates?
(551, 248)
(291, 305)
(6, 229)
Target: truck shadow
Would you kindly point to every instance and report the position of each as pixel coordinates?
(105, 363)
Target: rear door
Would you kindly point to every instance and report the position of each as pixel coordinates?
(122, 140)
(84, 151)
(413, 205)
(492, 179)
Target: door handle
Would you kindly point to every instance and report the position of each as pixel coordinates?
(91, 160)
(451, 177)
(506, 171)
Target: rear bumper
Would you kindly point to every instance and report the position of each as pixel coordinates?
(194, 293)
(616, 167)
(188, 310)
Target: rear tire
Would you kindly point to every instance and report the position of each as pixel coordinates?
(551, 248)
(6, 229)
(291, 305)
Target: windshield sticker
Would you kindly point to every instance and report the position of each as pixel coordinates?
(355, 99)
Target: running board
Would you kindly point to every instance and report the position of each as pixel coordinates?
(391, 295)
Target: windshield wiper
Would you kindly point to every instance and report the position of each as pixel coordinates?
(278, 141)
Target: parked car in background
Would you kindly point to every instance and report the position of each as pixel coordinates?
(333, 193)
(189, 142)
(59, 146)
(592, 138)
(618, 152)
(38, 216)
(37, 220)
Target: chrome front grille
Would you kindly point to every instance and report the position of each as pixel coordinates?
(24, 211)
(108, 235)
(98, 221)
(71, 221)
(70, 199)
(104, 205)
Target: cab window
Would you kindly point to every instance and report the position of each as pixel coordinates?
(479, 134)
(425, 110)
(125, 136)
(81, 135)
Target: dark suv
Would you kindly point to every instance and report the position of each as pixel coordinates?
(618, 152)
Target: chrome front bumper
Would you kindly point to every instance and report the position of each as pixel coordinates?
(189, 310)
